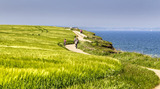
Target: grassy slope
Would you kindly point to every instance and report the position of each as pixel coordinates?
(31, 58)
(97, 43)
(138, 59)
(131, 57)
(132, 76)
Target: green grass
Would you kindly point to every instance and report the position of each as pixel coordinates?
(132, 76)
(97, 46)
(95, 49)
(33, 57)
(138, 59)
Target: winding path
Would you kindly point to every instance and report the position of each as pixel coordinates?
(81, 38)
(72, 47)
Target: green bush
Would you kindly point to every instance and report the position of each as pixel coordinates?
(95, 48)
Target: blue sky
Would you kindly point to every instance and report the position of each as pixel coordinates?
(86, 13)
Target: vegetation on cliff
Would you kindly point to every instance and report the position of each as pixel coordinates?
(133, 75)
(34, 57)
(30, 57)
(98, 46)
(130, 57)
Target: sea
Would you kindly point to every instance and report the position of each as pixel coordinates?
(145, 42)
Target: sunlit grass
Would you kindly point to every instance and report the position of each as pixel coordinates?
(131, 77)
(30, 57)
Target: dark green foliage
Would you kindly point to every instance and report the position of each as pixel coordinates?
(97, 46)
(61, 44)
(41, 29)
(94, 48)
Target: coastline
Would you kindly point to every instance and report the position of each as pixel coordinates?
(156, 72)
(132, 41)
(96, 48)
(49, 62)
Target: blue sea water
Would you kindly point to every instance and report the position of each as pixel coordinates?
(145, 42)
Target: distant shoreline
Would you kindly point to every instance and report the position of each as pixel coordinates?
(151, 55)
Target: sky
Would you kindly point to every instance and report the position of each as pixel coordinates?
(81, 13)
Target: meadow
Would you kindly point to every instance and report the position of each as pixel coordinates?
(138, 59)
(33, 57)
(30, 57)
(133, 75)
(96, 48)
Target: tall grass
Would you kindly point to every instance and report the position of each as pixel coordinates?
(138, 59)
(32, 57)
(132, 76)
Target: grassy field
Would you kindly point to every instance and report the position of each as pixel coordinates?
(130, 57)
(97, 46)
(30, 57)
(138, 59)
(132, 76)
(34, 57)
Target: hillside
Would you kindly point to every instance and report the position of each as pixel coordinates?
(34, 57)
(98, 46)
(133, 75)
(30, 57)
(105, 48)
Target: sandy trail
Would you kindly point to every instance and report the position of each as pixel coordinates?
(72, 47)
(81, 38)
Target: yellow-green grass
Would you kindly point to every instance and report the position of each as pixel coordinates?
(138, 59)
(30, 57)
(132, 76)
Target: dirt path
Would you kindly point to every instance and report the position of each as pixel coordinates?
(72, 47)
(81, 38)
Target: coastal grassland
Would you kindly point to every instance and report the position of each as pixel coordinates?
(131, 77)
(32, 57)
(97, 46)
(105, 48)
(133, 74)
(138, 59)
(95, 49)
